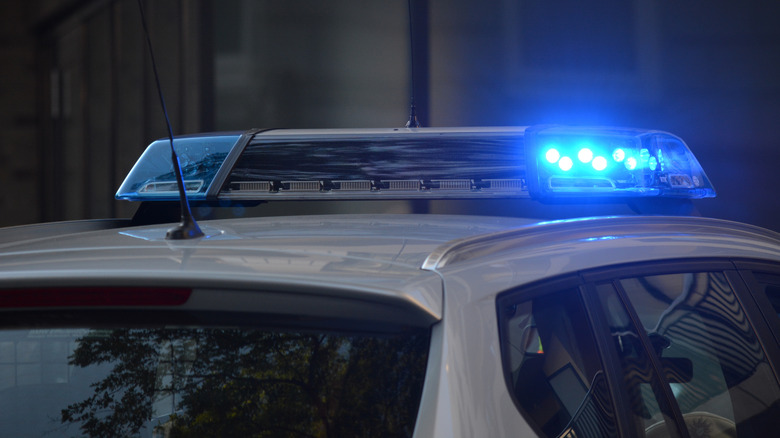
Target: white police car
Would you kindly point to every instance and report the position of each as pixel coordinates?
(425, 325)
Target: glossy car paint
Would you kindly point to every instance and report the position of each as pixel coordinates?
(469, 375)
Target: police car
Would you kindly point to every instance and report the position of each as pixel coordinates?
(556, 284)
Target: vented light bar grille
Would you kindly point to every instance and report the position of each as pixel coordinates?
(352, 185)
(413, 185)
(254, 186)
(458, 184)
(505, 184)
(302, 186)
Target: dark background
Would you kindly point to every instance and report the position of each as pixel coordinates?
(78, 104)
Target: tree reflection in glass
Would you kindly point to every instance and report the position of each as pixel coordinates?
(236, 382)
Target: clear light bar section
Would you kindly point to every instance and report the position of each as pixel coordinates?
(402, 164)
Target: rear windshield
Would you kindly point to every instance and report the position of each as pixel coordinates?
(209, 381)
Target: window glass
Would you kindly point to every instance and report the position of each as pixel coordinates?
(645, 393)
(711, 358)
(556, 375)
(208, 382)
(771, 285)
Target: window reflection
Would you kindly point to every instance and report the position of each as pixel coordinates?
(696, 318)
(209, 382)
(557, 378)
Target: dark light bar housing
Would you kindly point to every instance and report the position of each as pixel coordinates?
(427, 163)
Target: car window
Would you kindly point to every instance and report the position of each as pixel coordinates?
(647, 403)
(208, 381)
(770, 283)
(710, 356)
(682, 344)
(555, 377)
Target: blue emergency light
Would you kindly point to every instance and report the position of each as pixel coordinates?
(545, 163)
(583, 162)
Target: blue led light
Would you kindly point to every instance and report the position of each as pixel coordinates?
(565, 164)
(585, 155)
(652, 163)
(630, 163)
(619, 155)
(552, 155)
(599, 163)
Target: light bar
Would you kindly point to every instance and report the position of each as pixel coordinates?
(569, 162)
(433, 163)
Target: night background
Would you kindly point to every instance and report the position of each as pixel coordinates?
(78, 104)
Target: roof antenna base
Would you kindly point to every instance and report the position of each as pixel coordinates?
(188, 229)
(413, 122)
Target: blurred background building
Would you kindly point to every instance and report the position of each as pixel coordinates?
(78, 103)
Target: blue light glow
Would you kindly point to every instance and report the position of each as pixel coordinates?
(552, 155)
(585, 155)
(652, 163)
(644, 156)
(565, 164)
(599, 163)
(614, 162)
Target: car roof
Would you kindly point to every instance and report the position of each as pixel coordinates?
(376, 256)
(622, 238)
(383, 255)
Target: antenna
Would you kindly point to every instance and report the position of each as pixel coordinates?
(413, 122)
(188, 228)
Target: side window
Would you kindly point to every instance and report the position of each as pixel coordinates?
(770, 283)
(646, 401)
(552, 366)
(706, 349)
(685, 354)
(763, 281)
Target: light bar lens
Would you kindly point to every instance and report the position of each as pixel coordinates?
(583, 162)
(200, 158)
